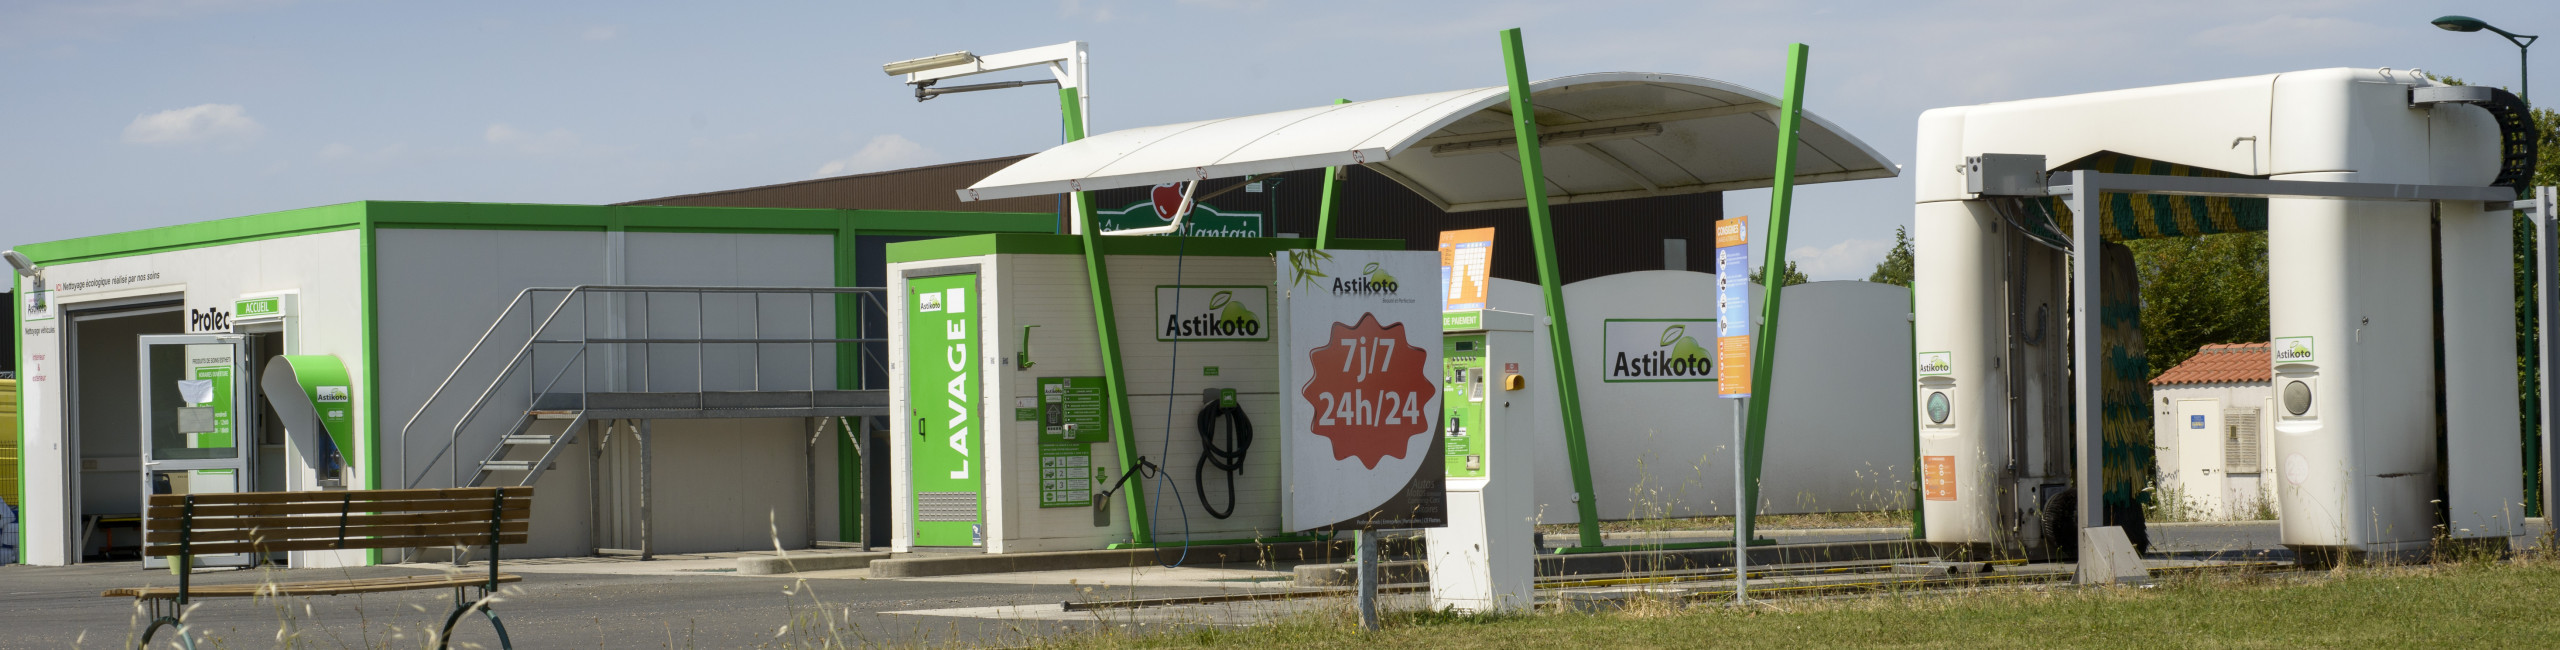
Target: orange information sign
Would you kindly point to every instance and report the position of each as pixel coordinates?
(1466, 266)
(1938, 478)
(1733, 308)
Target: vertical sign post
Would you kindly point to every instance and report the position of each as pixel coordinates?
(1733, 371)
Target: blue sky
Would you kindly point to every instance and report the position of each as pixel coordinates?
(129, 114)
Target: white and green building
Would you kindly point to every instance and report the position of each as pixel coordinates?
(696, 394)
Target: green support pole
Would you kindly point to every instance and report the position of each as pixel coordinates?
(1542, 237)
(1116, 385)
(1782, 191)
(1330, 202)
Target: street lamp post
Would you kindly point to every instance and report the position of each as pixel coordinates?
(2524, 42)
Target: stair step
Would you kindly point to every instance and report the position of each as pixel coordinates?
(527, 440)
(555, 415)
(506, 465)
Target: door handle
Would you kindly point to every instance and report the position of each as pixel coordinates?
(919, 427)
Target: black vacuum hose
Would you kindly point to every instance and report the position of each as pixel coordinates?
(1229, 459)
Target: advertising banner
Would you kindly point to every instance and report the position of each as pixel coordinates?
(1466, 268)
(1164, 201)
(1361, 386)
(1733, 307)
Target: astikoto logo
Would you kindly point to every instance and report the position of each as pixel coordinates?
(1372, 280)
(2291, 349)
(1226, 317)
(1679, 356)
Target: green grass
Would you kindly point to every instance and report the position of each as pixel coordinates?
(2474, 604)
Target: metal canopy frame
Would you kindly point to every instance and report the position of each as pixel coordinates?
(2081, 190)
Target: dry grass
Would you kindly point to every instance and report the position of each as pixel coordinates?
(2455, 604)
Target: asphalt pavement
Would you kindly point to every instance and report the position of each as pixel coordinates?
(701, 602)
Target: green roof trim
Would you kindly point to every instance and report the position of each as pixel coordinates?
(200, 234)
(530, 216)
(974, 245)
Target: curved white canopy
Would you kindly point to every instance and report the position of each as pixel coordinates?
(1606, 136)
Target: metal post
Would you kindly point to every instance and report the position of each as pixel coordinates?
(1331, 203)
(1367, 548)
(1542, 238)
(648, 546)
(2087, 368)
(1741, 539)
(1764, 353)
(1107, 328)
(2547, 307)
(595, 481)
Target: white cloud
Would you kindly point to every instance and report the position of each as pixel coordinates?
(1099, 11)
(1850, 259)
(1248, 5)
(890, 151)
(547, 142)
(601, 32)
(201, 122)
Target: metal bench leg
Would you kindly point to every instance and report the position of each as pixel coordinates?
(461, 605)
(169, 620)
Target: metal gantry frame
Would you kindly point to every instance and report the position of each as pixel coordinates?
(2080, 191)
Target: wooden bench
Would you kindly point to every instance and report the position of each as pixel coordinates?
(181, 526)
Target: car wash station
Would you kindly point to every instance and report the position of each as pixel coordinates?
(1419, 326)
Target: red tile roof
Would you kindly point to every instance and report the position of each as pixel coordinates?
(2221, 364)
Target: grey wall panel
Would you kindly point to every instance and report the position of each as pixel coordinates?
(707, 259)
(437, 290)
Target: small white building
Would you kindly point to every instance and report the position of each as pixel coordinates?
(2214, 447)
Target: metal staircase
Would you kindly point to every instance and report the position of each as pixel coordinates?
(586, 329)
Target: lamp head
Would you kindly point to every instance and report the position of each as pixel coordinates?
(2460, 24)
(20, 262)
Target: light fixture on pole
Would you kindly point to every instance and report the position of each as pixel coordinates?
(19, 261)
(1066, 63)
(2524, 42)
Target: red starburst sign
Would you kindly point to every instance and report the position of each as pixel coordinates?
(1369, 390)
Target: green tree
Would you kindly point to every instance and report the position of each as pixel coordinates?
(2200, 290)
(1795, 276)
(1896, 267)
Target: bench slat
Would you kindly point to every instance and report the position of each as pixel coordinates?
(317, 588)
(331, 519)
(168, 515)
(334, 496)
(430, 541)
(317, 529)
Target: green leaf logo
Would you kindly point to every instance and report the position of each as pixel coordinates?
(1672, 334)
(1220, 299)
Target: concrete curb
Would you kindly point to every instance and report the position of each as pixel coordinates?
(767, 565)
(1341, 574)
(924, 566)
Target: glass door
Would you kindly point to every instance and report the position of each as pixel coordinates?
(195, 400)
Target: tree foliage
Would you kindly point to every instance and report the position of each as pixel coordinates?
(1795, 276)
(1896, 267)
(2200, 290)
